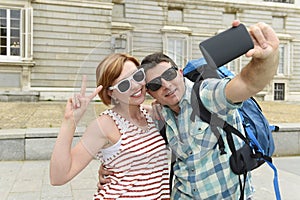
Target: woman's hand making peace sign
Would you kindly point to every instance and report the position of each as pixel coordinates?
(77, 105)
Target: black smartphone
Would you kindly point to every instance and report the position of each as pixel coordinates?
(226, 46)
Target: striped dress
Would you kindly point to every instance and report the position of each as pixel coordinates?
(140, 165)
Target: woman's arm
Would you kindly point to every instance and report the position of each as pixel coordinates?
(66, 162)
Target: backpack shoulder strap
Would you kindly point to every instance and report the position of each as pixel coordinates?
(213, 120)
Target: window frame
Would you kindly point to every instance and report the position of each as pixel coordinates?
(277, 91)
(175, 12)
(26, 36)
(285, 59)
(281, 1)
(184, 57)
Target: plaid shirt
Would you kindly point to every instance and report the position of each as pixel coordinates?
(200, 171)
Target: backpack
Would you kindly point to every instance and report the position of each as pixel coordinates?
(259, 144)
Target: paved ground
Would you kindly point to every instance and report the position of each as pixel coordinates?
(29, 180)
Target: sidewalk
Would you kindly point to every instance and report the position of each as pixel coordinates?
(29, 180)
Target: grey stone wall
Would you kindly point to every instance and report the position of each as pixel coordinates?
(37, 144)
(30, 144)
(287, 140)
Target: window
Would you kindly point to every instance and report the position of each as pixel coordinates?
(278, 23)
(284, 59)
(228, 19)
(280, 70)
(175, 15)
(118, 10)
(282, 1)
(15, 34)
(176, 43)
(10, 32)
(177, 50)
(279, 90)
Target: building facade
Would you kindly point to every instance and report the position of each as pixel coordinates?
(47, 45)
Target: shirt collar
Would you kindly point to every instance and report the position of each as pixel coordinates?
(187, 92)
(185, 98)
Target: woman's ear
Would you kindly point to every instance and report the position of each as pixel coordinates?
(109, 93)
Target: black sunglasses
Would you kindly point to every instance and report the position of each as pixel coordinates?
(168, 75)
(125, 84)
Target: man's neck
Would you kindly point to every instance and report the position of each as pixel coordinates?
(175, 109)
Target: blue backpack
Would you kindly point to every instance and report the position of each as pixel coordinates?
(259, 144)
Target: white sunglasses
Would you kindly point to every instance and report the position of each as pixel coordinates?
(125, 84)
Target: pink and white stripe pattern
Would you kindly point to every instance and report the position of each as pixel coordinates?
(140, 166)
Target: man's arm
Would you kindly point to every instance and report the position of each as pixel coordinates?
(102, 173)
(261, 69)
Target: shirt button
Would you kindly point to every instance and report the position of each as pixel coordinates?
(199, 129)
(190, 152)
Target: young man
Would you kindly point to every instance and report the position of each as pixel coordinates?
(200, 171)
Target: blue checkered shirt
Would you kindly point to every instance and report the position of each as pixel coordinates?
(200, 171)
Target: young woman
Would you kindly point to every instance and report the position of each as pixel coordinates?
(123, 137)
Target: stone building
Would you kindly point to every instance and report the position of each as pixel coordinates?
(47, 45)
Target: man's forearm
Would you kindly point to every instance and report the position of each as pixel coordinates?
(252, 79)
(259, 72)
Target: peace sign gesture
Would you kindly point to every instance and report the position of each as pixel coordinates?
(77, 105)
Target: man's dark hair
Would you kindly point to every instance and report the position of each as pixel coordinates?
(154, 59)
